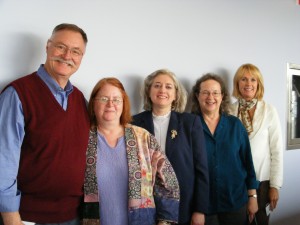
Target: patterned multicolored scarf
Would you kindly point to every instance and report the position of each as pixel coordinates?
(244, 115)
(150, 176)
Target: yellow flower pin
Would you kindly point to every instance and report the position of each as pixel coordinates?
(173, 134)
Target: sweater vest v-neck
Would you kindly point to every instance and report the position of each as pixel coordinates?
(52, 162)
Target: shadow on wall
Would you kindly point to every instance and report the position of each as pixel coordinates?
(134, 93)
(22, 55)
(188, 87)
(224, 74)
(289, 220)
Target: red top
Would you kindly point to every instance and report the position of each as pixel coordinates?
(52, 163)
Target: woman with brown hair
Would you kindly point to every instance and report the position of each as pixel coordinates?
(231, 173)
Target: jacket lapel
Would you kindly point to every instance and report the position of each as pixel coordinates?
(173, 134)
(147, 122)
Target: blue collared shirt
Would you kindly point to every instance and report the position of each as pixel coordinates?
(231, 170)
(12, 134)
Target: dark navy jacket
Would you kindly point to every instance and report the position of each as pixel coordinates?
(187, 154)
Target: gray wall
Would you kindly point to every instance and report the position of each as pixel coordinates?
(131, 38)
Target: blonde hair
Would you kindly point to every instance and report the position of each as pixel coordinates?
(254, 71)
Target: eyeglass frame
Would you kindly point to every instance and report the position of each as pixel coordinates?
(63, 49)
(208, 93)
(104, 100)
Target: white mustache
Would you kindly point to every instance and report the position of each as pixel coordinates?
(63, 61)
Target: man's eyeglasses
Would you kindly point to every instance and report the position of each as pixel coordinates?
(63, 49)
(105, 100)
(213, 93)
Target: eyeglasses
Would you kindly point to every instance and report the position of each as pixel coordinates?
(105, 100)
(213, 93)
(63, 49)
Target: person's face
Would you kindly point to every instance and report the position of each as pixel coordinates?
(248, 86)
(108, 104)
(64, 50)
(210, 97)
(162, 92)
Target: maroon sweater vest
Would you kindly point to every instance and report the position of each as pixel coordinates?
(52, 162)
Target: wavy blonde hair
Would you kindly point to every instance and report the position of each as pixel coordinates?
(254, 71)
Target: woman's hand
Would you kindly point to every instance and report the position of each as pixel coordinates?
(252, 208)
(273, 196)
(198, 218)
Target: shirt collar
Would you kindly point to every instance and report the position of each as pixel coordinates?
(52, 84)
(220, 125)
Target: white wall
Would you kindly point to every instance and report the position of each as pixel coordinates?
(130, 39)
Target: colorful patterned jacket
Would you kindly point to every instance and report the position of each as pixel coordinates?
(153, 187)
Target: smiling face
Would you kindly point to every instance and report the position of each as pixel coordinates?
(210, 97)
(162, 93)
(62, 60)
(248, 86)
(108, 112)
